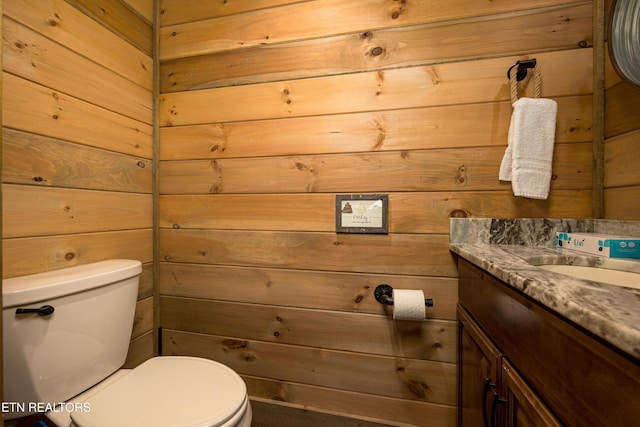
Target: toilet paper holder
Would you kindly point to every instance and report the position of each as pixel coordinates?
(384, 295)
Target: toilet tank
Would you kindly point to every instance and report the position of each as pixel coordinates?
(52, 357)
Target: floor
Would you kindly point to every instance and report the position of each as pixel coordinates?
(264, 415)
(30, 421)
(272, 415)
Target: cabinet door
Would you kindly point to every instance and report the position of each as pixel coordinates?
(478, 374)
(524, 408)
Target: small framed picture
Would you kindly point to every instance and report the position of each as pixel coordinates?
(362, 213)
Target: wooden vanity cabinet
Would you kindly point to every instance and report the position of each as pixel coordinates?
(479, 364)
(538, 368)
(523, 407)
(491, 392)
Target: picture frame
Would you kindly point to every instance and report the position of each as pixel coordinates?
(362, 213)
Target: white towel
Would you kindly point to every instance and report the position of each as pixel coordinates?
(529, 155)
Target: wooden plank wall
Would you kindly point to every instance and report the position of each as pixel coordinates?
(77, 141)
(622, 144)
(268, 109)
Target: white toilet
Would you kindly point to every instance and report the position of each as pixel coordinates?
(66, 335)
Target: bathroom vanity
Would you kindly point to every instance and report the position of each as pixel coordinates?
(537, 348)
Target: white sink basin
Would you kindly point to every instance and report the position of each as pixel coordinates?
(598, 274)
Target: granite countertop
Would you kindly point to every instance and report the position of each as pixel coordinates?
(608, 311)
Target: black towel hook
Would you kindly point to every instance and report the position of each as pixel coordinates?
(523, 66)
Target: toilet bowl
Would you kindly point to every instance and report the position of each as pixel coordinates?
(165, 391)
(66, 336)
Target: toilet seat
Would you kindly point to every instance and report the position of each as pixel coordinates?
(171, 391)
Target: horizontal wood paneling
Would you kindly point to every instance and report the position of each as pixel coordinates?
(420, 128)
(142, 346)
(302, 289)
(413, 254)
(622, 203)
(411, 87)
(144, 8)
(140, 349)
(115, 15)
(622, 176)
(388, 376)
(34, 108)
(268, 111)
(172, 12)
(146, 286)
(313, 328)
(37, 254)
(622, 104)
(410, 212)
(59, 21)
(622, 142)
(71, 211)
(398, 412)
(43, 61)
(143, 319)
(182, 11)
(43, 161)
(621, 160)
(563, 27)
(429, 170)
(316, 19)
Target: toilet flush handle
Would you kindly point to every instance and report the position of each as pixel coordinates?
(45, 310)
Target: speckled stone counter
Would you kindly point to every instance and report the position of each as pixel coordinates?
(510, 249)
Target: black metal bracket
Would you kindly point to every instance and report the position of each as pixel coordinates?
(384, 295)
(523, 66)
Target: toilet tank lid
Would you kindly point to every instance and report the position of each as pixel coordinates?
(38, 287)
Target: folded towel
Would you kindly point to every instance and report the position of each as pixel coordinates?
(529, 154)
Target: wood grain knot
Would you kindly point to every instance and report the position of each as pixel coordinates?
(418, 389)
(458, 213)
(249, 357)
(234, 344)
(376, 51)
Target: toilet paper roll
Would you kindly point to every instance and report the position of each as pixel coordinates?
(408, 304)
